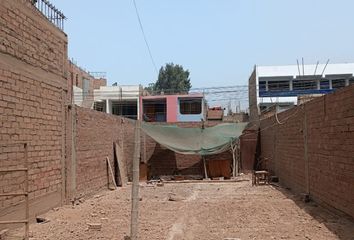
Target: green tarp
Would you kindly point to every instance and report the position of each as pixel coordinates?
(199, 141)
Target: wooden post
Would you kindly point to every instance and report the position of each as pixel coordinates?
(237, 160)
(205, 169)
(234, 161)
(145, 160)
(26, 192)
(135, 188)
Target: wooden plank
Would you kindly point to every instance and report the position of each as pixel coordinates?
(12, 194)
(143, 172)
(14, 222)
(13, 170)
(220, 168)
(111, 171)
(121, 164)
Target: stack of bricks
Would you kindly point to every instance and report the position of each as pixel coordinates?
(312, 152)
(32, 97)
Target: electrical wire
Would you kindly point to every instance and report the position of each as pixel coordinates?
(144, 35)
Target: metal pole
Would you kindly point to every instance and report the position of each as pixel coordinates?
(135, 188)
(27, 193)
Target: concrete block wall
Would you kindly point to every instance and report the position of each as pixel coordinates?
(325, 128)
(32, 101)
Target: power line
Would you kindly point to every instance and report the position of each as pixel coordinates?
(145, 39)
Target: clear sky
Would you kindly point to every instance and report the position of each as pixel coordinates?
(219, 41)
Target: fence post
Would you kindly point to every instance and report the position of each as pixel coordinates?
(135, 187)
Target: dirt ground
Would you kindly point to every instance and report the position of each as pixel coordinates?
(200, 211)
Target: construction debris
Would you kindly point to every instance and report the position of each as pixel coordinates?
(173, 198)
(94, 226)
(3, 234)
(42, 220)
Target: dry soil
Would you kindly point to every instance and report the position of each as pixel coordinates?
(199, 211)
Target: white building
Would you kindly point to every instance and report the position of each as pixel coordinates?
(119, 100)
(284, 84)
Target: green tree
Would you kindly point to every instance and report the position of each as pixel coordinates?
(173, 79)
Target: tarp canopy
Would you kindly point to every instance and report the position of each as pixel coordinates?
(207, 141)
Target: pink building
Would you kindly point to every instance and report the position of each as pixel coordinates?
(173, 108)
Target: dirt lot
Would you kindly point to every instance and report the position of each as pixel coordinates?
(201, 211)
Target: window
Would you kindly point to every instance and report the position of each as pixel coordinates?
(127, 109)
(154, 110)
(262, 86)
(278, 86)
(338, 83)
(300, 85)
(324, 84)
(77, 80)
(190, 106)
(100, 106)
(351, 81)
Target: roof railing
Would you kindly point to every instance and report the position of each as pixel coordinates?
(50, 12)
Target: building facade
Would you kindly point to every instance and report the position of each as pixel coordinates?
(84, 84)
(280, 84)
(173, 108)
(119, 100)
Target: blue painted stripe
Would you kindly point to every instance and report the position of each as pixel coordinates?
(293, 93)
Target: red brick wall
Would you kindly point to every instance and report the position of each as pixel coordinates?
(94, 137)
(30, 37)
(330, 149)
(248, 147)
(95, 134)
(97, 83)
(76, 77)
(32, 99)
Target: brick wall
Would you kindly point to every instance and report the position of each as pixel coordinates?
(27, 35)
(324, 127)
(248, 149)
(99, 82)
(77, 76)
(94, 137)
(252, 96)
(32, 98)
(95, 134)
